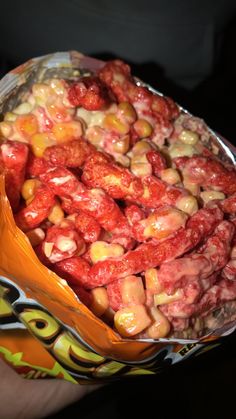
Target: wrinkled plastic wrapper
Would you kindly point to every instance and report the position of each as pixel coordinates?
(45, 331)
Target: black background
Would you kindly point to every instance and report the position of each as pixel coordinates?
(199, 387)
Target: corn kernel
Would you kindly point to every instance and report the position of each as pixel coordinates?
(6, 129)
(143, 128)
(161, 326)
(39, 142)
(164, 298)
(85, 115)
(131, 320)
(26, 125)
(189, 137)
(127, 111)
(141, 169)
(97, 118)
(100, 302)
(10, 117)
(31, 100)
(141, 147)
(91, 118)
(96, 136)
(58, 112)
(57, 85)
(23, 108)
(101, 250)
(152, 282)
(67, 131)
(121, 145)
(29, 188)
(170, 176)
(56, 214)
(112, 123)
(47, 248)
(179, 149)
(41, 92)
(163, 222)
(140, 166)
(187, 204)
(193, 188)
(211, 195)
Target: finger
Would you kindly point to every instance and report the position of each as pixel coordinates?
(29, 399)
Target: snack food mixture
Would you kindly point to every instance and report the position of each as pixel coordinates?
(121, 194)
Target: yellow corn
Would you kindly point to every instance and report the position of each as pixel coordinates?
(26, 125)
(39, 142)
(29, 188)
(67, 131)
(96, 136)
(141, 147)
(179, 149)
(187, 204)
(57, 85)
(6, 129)
(152, 282)
(101, 250)
(211, 195)
(127, 111)
(140, 166)
(41, 92)
(194, 188)
(112, 123)
(47, 248)
(10, 117)
(97, 118)
(162, 223)
(164, 298)
(23, 108)
(131, 320)
(143, 128)
(121, 145)
(189, 137)
(91, 118)
(100, 302)
(56, 215)
(170, 176)
(160, 327)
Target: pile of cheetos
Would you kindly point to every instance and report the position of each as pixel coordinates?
(119, 194)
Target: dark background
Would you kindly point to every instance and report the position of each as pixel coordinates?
(200, 387)
(186, 49)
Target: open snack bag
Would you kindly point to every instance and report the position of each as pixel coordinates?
(117, 224)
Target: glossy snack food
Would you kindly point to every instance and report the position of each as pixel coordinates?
(103, 177)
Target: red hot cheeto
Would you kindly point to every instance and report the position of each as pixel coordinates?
(120, 194)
